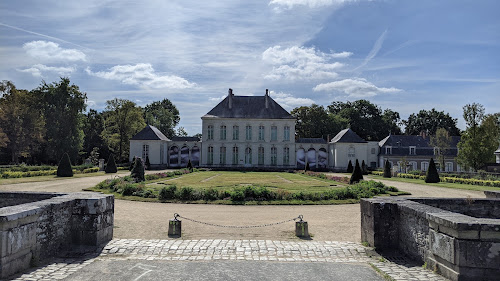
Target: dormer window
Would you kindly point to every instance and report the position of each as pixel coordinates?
(388, 150)
(413, 150)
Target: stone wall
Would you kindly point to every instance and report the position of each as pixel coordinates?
(492, 194)
(456, 245)
(32, 232)
(17, 198)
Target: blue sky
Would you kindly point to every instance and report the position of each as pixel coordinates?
(403, 55)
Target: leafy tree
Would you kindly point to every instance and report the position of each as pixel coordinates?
(366, 119)
(94, 156)
(350, 168)
(387, 169)
(111, 165)
(392, 120)
(64, 169)
(404, 163)
(62, 105)
(432, 175)
(429, 121)
(479, 141)
(443, 142)
(22, 125)
(93, 127)
(137, 172)
(181, 132)
(357, 174)
(163, 115)
(123, 119)
(315, 122)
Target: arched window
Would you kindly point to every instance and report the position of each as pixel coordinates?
(274, 156)
(222, 155)
(248, 155)
(261, 155)
(210, 155)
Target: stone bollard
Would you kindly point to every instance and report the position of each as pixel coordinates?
(301, 228)
(174, 227)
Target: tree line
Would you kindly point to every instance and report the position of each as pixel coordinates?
(40, 125)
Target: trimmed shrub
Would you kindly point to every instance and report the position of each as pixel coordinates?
(167, 193)
(350, 168)
(237, 195)
(364, 168)
(147, 165)
(189, 165)
(357, 174)
(138, 171)
(432, 175)
(186, 193)
(111, 166)
(307, 168)
(131, 166)
(387, 169)
(64, 169)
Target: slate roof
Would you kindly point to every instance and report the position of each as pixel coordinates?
(347, 135)
(401, 145)
(185, 139)
(311, 140)
(249, 107)
(150, 133)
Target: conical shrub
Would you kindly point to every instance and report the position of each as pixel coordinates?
(64, 169)
(307, 167)
(364, 168)
(147, 164)
(350, 168)
(131, 164)
(432, 175)
(387, 169)
(189, 165)
(357, 174)
(138, 170)
(111, 166)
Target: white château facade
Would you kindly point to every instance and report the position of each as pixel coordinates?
(255, 132)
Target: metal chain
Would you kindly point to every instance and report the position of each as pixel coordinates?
(237, 226)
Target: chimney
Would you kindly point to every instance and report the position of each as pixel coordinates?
(230, 98)
(328, 138)
(267, 98)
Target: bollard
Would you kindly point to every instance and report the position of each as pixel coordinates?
(174, 227)
(301, 228)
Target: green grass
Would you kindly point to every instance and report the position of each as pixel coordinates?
(53, 178)
(441, 184)
(221, 180)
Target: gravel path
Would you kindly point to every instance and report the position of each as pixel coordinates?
(150, 220)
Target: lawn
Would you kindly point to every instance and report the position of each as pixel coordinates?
(224, 180)
(52, 178)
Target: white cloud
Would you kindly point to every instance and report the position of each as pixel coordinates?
(358, 88)
(301, 63)
(288, 101)
(143, 75)
(289, 4)
(50, 51)
(37, 69)
(217, 99)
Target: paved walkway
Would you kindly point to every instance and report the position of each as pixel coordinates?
(135, 259)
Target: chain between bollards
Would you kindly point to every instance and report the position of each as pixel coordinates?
(300, 217)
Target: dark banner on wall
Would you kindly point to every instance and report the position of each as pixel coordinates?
(322, 158)
(173, 157)
(184, 156)
(301, 158)
(195, 156)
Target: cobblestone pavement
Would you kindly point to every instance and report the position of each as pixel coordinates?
(236, 250)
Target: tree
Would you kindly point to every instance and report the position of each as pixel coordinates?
(315, 122)
(94, 156)
(366, 119)
(64, 169)
(432, 175)
(404, 164)
(479, 142)
(429, 121)
(123, 119)
(163, 115)
(93, 127)
(189, 165)
(357, 174)
(131, 166)
(181, 132)
(364, 168)
(442, 142)
(387, 169)
(392, 121)
(63, 106)
(350, 168)
(137, 172)
(22, 125)
(111, 165)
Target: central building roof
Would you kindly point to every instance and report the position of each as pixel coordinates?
(251, 107)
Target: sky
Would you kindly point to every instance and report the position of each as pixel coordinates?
(404, 55)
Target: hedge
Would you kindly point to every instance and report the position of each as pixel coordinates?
(34, 173)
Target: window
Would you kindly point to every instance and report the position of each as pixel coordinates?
(352, 152)
(373, 165)
(413, 165)
(373, 150)
(274, 133)
(145, 151)
(274, 156)
(436, 150)
(261, 156)
(424, 166)
(210, 132)
(235, 155)
(286, 156)
(248, 155)
(222, 156)
(286, 133)
(223, 132)
(261, 133)
(449, 167)
(236, 132)
(248, 131)
(388, 150)
(412, 150)
(210, 159)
